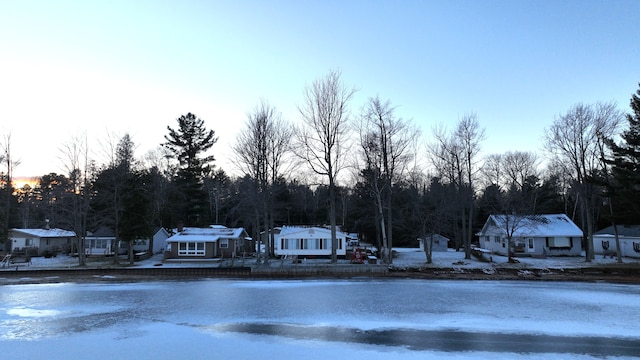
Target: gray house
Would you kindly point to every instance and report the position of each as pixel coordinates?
(101, 242)
(532, 235)
(604, 241)
(38, 242)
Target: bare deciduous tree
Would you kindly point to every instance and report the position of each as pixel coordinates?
(260, 151)
(574, 139)
(322, 138)
(455, 157)
(75, 157)
(6, 157)
(387, 148)
(492, 170)
(519, 166)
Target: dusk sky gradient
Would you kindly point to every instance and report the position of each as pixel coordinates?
(68, 67)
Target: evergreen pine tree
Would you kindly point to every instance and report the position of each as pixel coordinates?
(189, 143)
(625, 166)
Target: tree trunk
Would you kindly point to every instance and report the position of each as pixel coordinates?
(383, 231)
(332, 220)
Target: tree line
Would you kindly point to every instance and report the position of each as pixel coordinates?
(369, 172)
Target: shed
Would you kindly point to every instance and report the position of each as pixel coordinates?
(438, 242)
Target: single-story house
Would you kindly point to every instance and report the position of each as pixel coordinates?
(604, 241)
(437, 241)
(101, 242)
(215, 241)
(38, 242)
(308, 241)
(532, 235)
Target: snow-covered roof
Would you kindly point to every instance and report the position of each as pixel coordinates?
(532, 225)
(209, 234)
(623, 231)
(47, 233)
(290, 231)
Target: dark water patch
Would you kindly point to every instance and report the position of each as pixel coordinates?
(446, 340)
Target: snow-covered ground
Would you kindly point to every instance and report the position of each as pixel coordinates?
(404, 257)
(414, 257)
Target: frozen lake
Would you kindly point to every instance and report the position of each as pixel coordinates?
(373, 319)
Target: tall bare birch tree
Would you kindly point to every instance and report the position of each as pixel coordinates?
(387, 148)
(322, 137)
(260, 149)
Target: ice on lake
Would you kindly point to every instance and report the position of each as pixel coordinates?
(320, 319)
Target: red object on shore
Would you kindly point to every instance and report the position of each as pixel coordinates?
(357, 256)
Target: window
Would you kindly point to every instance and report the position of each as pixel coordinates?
(496, 239)
(98, 243)
(28, 242)
(224, 243)
(559, 242)
(290, 244)
(191, 248)
(530, 240)
(312, 244)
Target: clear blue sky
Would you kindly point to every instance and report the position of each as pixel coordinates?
(135, 66)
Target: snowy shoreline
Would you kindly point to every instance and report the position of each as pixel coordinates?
(408, 263)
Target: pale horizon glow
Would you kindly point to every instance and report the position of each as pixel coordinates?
(98, 68)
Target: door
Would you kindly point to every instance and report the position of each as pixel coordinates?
(530, 245)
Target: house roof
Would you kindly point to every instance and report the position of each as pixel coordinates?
(290, 231)
(531, 225)
(47, 233)
(209, 234)
(435, 237)
(623, 231)
(102, 232)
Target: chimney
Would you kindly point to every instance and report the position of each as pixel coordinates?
(180, 226)
(46, 224)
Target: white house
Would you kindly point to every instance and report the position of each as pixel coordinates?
(532, 235)
(308, 241)
(604, 241)
(38, 242)
(211, 242)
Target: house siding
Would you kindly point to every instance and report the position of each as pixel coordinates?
(302, 238)
(629, 246)
(213, 242)
(555, 244)
(38, 245)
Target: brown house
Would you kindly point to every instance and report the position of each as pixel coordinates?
(215, 241)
